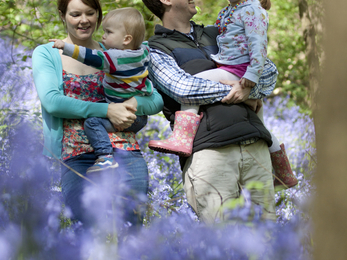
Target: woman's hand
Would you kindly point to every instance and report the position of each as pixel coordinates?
(237, 94)
(131, 101)
(121, 115)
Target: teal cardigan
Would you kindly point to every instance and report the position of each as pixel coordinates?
(48, 79)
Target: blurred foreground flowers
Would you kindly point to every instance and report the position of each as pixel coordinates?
(34, 224)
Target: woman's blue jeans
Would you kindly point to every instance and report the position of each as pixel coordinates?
(132, 171)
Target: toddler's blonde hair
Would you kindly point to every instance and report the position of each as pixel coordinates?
(133, 22)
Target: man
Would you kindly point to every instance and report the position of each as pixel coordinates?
(231, 145)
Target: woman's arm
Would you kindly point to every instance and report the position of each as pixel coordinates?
(149, 105)
(46, 71)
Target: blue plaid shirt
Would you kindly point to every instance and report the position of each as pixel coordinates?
(186, 89)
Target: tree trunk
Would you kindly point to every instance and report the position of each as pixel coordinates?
(311, 15)
(330, 206)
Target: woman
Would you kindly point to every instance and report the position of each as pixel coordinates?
(69, 91)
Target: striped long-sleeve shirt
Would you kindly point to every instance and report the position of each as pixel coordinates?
(126, 70)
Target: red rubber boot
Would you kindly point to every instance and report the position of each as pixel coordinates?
(181, 140)
(283, 172)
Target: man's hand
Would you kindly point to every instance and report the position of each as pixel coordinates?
(237, 94)
(246, 83)
(58, 44)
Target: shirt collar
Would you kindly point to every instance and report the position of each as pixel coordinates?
(191, 33)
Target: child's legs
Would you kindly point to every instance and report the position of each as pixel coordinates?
(214, 75)
(275, 143)
(217, 75)
(190, 108)
(260, 113)
(97, 129)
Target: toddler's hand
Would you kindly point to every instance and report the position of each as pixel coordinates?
(246, 83)
(58, 44)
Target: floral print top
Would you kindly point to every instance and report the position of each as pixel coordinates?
(75, 141)
(245, 38)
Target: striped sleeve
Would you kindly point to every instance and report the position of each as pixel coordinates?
(95, 58)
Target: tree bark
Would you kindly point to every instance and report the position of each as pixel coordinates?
(311, 15)
(330, 206)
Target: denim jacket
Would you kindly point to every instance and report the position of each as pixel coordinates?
(245, 38)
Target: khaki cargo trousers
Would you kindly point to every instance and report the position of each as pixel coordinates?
(213, 176)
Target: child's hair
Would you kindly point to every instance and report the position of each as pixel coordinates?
(266, 4)
(133, 22)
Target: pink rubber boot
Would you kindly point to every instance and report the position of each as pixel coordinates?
(282, 168)
(181, 140)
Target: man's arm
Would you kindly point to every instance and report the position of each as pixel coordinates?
(168, 77)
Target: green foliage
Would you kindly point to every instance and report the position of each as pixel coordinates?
(30, 22)
(287, 50)
(208, 11)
